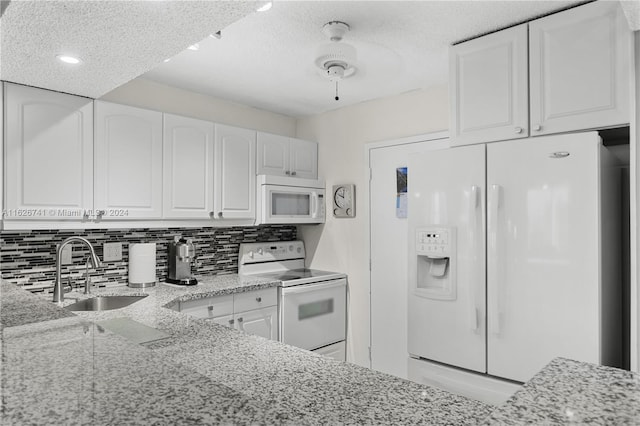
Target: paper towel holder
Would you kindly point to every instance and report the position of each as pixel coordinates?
(142, 265)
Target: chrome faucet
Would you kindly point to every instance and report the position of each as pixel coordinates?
(58, 293)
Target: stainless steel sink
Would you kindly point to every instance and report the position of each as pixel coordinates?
(104, 303)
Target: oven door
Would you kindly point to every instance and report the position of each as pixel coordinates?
(314, 315)
(290, 204)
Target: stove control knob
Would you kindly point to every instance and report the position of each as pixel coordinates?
(299, 249)
(291, 247)
(260, 252)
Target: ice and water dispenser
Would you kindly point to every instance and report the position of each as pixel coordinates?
(436, 263)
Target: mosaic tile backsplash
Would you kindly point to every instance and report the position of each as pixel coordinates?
(28, 258)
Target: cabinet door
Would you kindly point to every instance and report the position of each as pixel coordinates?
(49, 154)
(273, 154)
(226, 320)
(304, 159)
(188, 167)
(488, 88)
(261, 322)
(128, 162)
(580, 62)
(235, 186)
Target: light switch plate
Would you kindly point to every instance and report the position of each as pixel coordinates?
(111, 252)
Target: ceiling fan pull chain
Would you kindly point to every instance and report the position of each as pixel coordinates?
(337, 97)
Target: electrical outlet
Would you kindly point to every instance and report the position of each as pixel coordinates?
(65, 256)
(111, 252)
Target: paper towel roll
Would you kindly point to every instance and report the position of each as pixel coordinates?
(142, 265)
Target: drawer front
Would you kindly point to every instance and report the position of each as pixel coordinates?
(255, 299)
(210, 307)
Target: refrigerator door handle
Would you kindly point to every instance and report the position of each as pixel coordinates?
(492, 252)
(475, 217)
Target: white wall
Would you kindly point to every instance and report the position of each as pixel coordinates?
(152, 95)
(340, 244)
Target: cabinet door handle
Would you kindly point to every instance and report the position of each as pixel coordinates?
(230, 322)
(537, 127)
(212, 215)
(100, 213)
(293, 173)
(240, 319)
(258, 299)
(519, 130)
(220, 214)
(287, 172)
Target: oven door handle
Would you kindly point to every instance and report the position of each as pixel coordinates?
(307, 288)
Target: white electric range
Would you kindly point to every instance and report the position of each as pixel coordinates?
(312, 304)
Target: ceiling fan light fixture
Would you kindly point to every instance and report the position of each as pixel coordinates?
(333, 54)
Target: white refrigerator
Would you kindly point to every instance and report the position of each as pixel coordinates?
(514, 256)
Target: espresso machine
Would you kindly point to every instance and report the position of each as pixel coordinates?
(181, 253)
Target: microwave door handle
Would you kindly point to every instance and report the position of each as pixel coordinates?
(314, 204)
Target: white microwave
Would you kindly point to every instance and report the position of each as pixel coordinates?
(288, 200)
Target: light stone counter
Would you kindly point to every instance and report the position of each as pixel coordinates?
(66, 370)
(572, 392)
(59, 368)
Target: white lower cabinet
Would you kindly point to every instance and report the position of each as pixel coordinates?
(226, 320)
(261, 322)
(254, 312)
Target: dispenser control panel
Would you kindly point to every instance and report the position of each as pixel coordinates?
(435, 242)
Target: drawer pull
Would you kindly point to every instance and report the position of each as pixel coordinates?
(258, 299)
(210, 308)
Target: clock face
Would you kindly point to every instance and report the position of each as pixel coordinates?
(341, 197)
(343, 200)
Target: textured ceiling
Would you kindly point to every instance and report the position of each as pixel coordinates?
(266, 59)
(117, 40)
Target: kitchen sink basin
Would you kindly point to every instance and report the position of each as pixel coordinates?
(104, 303)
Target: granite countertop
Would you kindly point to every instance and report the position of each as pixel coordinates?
(61, 368)
(567, 391)
(65, 369)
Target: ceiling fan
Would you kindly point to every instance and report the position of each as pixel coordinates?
(336, 60)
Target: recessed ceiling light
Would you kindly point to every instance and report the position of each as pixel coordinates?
(68, 59)
(194, 47)
(217, 35)
(266, 7)
(167, 60)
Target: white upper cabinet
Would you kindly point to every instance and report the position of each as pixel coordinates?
(283, 156)
(273, 154)
(188, 168)
(580, 61)
(488, 87)
(304, 159)
(235, 173)
(578, 77)
(128, 162)
(48, 154)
